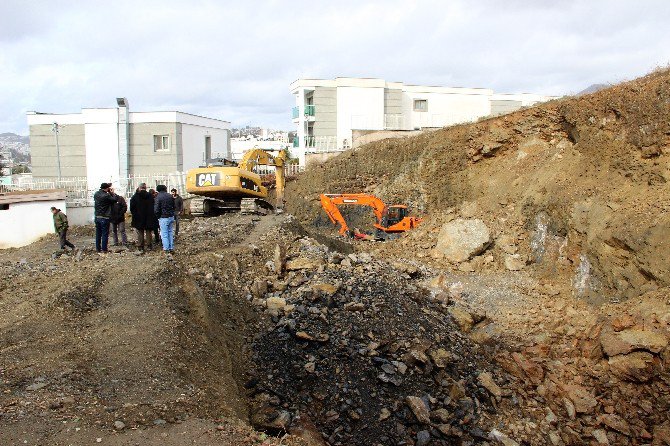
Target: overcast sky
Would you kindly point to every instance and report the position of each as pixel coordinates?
(235, 60)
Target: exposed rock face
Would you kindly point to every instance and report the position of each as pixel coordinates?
(623, 342)
(461, 239)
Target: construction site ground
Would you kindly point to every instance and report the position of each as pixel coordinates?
(530, 307)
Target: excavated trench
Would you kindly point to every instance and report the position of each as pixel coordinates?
(340, 347)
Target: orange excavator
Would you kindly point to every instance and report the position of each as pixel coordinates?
(390, 219)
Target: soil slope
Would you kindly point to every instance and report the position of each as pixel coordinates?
(579, 184)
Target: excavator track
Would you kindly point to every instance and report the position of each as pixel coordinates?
(255, 206)
(202, 206)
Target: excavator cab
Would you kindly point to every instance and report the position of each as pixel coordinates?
(396, 213)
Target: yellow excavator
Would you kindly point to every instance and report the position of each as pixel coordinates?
(223, 186)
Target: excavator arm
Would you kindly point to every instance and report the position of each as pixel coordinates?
(329, 203)
(260, 157)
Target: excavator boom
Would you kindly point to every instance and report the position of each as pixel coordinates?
(391, 219)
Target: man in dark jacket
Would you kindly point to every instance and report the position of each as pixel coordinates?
(142, 210)
(178, 210)
(103, 201)
(164, 210)
(118, 219)
(60, 226)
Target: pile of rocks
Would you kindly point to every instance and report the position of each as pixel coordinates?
(358, 348)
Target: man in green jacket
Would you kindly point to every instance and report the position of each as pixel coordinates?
(60, 225)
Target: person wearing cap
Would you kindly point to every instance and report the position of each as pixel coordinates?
(164, 210)
(103, 200)
(118, 219)
(178, 210)
(60, 226)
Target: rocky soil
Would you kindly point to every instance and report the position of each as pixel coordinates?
(549, 221)
(530, 308)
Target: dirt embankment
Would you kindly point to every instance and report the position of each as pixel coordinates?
(579, 185)
(126, 349)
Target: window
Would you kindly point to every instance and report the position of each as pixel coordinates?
(161, 143)
(420, 105)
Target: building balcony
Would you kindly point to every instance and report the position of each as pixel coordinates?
(322, 144)
(308, 112)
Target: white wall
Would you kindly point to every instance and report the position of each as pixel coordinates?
(240, 146)
(358, 108)
(79, 215)
(102, 153)
(193, 143)
(444, 108)
(24, 223)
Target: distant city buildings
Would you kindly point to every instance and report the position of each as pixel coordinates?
(108, 144)
(327, 112)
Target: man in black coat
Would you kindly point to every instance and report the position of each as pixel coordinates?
(118, 219)
(142, 210)
(103, 200)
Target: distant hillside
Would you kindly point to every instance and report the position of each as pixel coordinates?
(592, 89)
(18, 145)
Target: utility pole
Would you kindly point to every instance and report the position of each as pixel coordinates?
(56, 128)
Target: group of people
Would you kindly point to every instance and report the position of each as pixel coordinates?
(152, 211)
(156, 212)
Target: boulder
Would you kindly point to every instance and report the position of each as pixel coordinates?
(582, 400)
(486, 381)
(533, 370)
(440, 357)
(636, 366)
(275, 304)
(302, 263)
(461, 239)
(514, 262)
(462, 318)
(326, 288)
(508, 244)
(419, 409)
(615, 422)
(627, 341)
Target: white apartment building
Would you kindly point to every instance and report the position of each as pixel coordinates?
(106, 144)
(327, 112)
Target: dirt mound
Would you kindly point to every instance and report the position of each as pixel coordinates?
(579, 184)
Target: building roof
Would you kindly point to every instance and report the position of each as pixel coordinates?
(110, 115)
(28, 196)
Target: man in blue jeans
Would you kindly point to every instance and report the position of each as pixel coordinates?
(164, 210)
(103, 200)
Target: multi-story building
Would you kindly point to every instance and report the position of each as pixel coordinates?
(327, 112)
(105, 144)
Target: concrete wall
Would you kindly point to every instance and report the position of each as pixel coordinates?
(362, 137)
(392, 101)
(72, 151)
(445, 108)
(102, 144)
(79, 215)
(143, 158)
(314, 159)
(193, 144)
(358, 108)
(24, 223)
(504, 106)
(325, 111)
